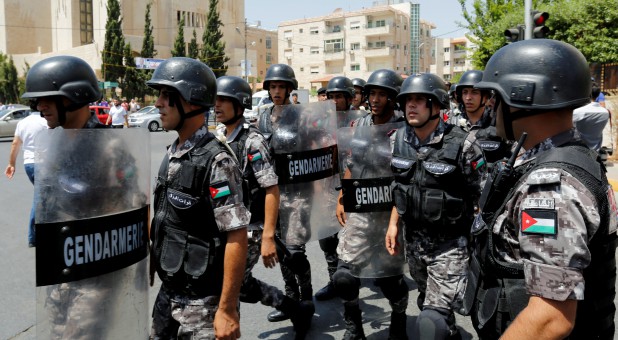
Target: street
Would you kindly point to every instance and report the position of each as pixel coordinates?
(17, 317)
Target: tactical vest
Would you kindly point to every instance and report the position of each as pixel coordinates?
(498, 291)
(429, 191)
(265, 125)
(494, 148)
(187, 245)
(254, 195)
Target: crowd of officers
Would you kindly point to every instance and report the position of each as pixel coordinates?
(516, 232)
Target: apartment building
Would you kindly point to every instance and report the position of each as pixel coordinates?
(452, 57)
(356, 43)
(261, 45)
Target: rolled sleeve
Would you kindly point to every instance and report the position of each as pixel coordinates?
(229, 209)
(260, 160)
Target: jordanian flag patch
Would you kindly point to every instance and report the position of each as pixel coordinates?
(219, 190)
(254, 155)
(478, 163)
(537, 221)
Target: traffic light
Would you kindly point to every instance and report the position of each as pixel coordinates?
(539, 30)
(514, 34)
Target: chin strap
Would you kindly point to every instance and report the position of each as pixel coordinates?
(236, 115)
(174, 99)
(431, 115)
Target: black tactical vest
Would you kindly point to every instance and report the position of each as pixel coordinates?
(498, 288)
(429, 190)
(253, 194)
(187, 245)
(494, 148)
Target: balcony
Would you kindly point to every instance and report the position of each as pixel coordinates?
(375, 52)
(382, 30)
(334, 54)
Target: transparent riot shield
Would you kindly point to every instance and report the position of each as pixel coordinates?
(305, 154)
(365, 156)
(345, 118)
(92, 233)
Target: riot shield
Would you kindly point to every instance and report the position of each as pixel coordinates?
(345, 118)
(365, 155)
(92, 233)
(305, 155)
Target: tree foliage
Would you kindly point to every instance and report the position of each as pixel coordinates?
(113, 49)
(132, 83)
(148, 51)
(588, 25)
(213, 46)
(194, 50)
(10, 83)
(179, 43)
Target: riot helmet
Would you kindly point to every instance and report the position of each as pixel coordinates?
(239, 91)
(63, 76)
(468, 79)
(425, 83)
(280, 72)
(321, 90)
(385, 79)
(359, 82)
(340, 84)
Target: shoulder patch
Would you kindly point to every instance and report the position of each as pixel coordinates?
(180, 200)
(401, 163)
(254, 155)
(220, 189)
(489, 145)
(544, 176)
(538, 221)
(538, 203)
(478, 163)
(438, 168)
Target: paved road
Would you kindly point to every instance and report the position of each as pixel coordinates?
(17, 315)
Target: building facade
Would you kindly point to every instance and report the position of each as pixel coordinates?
(354, 44)
(452, 57)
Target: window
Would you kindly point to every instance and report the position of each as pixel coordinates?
(379, 44)
(314, 50)
(337, 28)
(85, 21)
(269, 59)
(447, 63)
(287, 35)
(355, 25)
(300, 30)
(355, 46)
(355, 67)
(314, 70)
(333, 46)
(302, 69)
(447, 49)
(313, 30)
(380, 23)
(301, 50)
(269, 43)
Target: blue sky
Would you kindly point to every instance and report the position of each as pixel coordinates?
(443, 13)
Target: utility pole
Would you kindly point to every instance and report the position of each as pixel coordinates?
(246, 62)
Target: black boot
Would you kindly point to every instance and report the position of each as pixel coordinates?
(291, 291)
(301, 319)
(326, 293)
(353, 323)
(397, 329)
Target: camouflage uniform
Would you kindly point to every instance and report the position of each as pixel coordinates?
(438, 255)
(77, 310)
(181, 313)
(254, 159)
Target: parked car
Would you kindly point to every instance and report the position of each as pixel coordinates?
(147, 117)
(10, 117)
(102, 112)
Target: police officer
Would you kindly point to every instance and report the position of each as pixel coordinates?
(199, 236)
(438, 169)
(81, 302)
(341, 91)
(478, 117)
(549, 268)
(280, 81)
(322, 94)
(382, 88)
(261, 195)
(358, 102)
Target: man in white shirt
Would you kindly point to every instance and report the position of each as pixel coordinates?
(117, 115)
(590, 120)
(25, 133)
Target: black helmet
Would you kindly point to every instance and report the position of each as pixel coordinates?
(65, 76)
(468, 79)
(322, 90)
(359, 82)
(340, 84)
(538, 74)
(194, 80)
(280, 72)
(235, 87)
(424, 83)
(452, 92)
(386, 79)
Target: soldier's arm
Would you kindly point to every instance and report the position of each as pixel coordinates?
(543, 319)
(391, 234)
(271, 211)
(227, 319)
(341, 216)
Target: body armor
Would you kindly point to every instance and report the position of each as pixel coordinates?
(187, 244)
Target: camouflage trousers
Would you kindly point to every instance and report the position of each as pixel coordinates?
(252, 289)
(76, 309)
(439, 266)
(176, 316)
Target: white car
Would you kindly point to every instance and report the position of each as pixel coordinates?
(147, 117)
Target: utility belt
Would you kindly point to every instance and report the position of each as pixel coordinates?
(191, 265)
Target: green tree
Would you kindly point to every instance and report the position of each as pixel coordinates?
(213, 46)
(113, 49)
(194, 50)
(132, 82)
(148, 51)
(179, 44)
